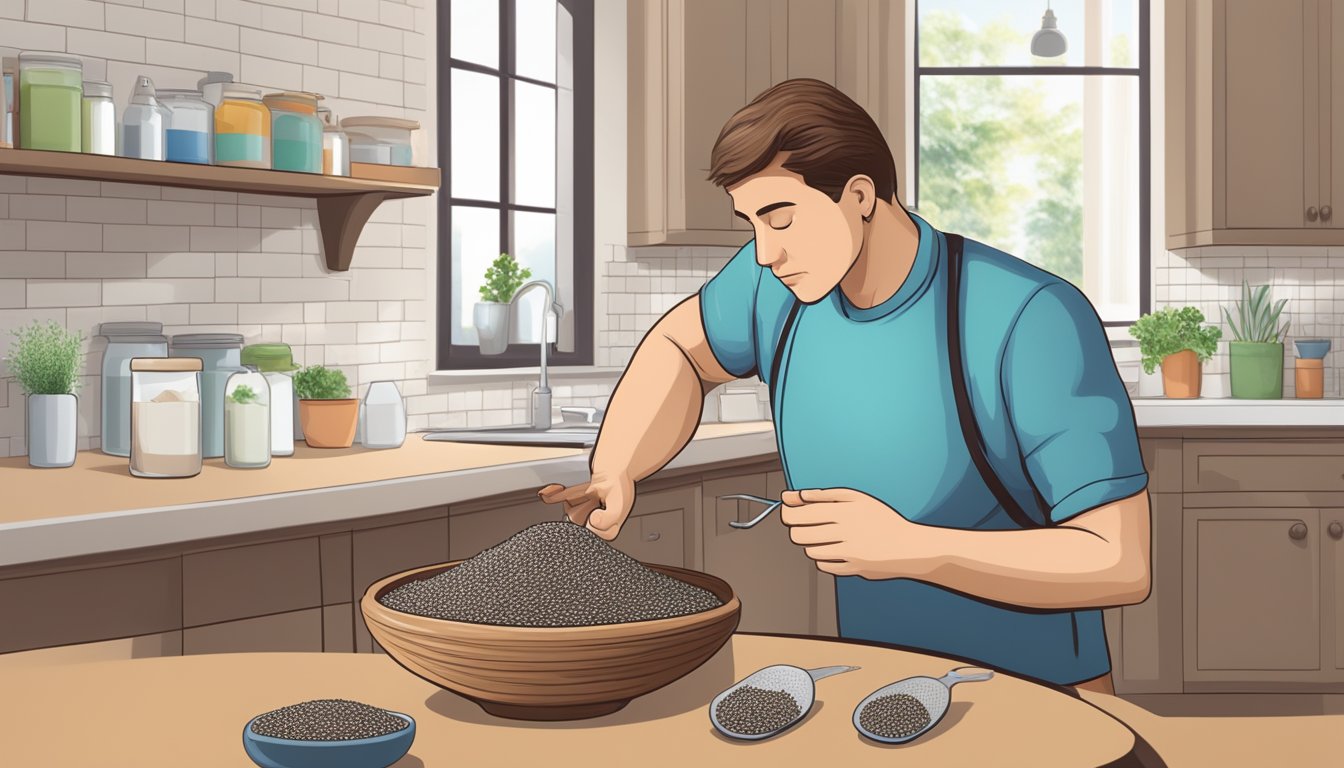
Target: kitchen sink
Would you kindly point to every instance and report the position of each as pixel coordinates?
(560, 436)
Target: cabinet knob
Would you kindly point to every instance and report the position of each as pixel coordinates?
(1298, 531)
(653, 536)
(1325, 213)
(1311, 213)
(1336, 530)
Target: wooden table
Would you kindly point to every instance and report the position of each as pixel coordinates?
(103, 713)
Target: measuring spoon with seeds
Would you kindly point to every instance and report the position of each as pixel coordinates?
(768, 701)
(907, 709)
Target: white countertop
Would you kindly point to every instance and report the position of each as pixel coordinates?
(1231, 412)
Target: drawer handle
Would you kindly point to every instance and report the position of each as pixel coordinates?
(653, 536)
(1336, 530)
(1298, 532)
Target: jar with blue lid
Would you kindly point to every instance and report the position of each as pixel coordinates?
(221, 357)
(124, 341)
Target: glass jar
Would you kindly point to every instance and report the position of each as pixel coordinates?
(335, 145)
(189, 133)
(220, 357)
(212, 87)
(296, 133)
(142, 123)
(383, 417)
(242, 128)
(98, 120)
(247, 420)
(276, 361)
(125, 341)
(10, 65)
(165, 417)
(50, 96)
(384, 140)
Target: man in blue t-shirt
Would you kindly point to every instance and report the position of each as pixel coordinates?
(999, 542)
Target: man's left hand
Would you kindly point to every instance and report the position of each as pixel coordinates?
(849, 533)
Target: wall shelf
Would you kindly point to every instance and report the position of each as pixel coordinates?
(344, 203)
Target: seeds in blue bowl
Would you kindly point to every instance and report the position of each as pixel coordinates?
(327, 720)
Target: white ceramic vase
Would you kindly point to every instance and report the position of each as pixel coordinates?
(53, 426)
(491, 320)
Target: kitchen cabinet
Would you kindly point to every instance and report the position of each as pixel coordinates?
(693, 63)
(1254, 122)
(772, 576)
(1252, 595)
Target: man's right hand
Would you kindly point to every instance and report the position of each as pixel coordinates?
(602, 504)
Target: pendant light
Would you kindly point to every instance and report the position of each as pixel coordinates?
(1048, 42)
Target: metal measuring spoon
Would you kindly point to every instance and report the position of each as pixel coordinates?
(933, 693)
(795, 681)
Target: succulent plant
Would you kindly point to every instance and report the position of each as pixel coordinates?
(1257, 320)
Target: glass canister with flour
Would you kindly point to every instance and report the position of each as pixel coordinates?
(165, 416)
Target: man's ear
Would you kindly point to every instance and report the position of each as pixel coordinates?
(863, 191)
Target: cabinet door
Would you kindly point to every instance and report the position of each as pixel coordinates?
(1331, 44)
(1145, 639)
(1270, 144)
(656, 531)
(1332, 596)
(1252, 596)
(771, 575)
(714, 87)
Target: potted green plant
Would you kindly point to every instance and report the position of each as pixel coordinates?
(327, 413)
(1175, 340)
(46, 361)
(1256, 355)
(490, 316)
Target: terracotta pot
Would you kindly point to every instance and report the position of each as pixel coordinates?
(1181, 374)
(1310, 380)
(329, 423)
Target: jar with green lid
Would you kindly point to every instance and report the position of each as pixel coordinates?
(242, 128)
(296, 133)
(51, 92)
(276, 362)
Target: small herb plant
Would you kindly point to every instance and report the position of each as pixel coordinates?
(243, 394)
(503, 279)
(317, 382)
(46, 359)
(1172, 330)
(1257, 319)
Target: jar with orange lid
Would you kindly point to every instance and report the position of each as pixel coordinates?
(242, 128)
(296, 132)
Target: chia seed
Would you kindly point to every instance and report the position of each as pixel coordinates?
(894, 717)
(327, 720)
(752, 711)
(553, 574)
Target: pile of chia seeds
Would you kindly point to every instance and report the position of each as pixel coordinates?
(327, 720)
(752, 711)
(894, 717)
(553, 574)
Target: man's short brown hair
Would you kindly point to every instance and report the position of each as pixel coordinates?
(829, 140)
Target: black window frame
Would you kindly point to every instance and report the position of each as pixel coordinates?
(450, 356)
(1143, 71)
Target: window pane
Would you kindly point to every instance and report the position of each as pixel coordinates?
(534, 247)
(965, 33)
(475, 246)
(1044, 168)
(533, 145)
(534, 25)
(475, 135)
(475, 31)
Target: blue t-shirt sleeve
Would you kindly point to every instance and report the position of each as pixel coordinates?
(1073, 420)
(728, 312)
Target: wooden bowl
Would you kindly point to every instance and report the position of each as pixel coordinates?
(551, 673)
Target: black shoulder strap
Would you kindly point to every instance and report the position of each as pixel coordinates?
(970, 428)
(779, 351)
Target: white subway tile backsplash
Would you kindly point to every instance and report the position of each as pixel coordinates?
(24, 35)
(386, 39)
(71, 13)
(106, 45)
(104, 210)
(273, 45)
(105, 265)
(159, 291)
(142, 22)
(334, 56)
(214, 34)
(238, 289)
(331, 29)
(270, 73)
(13, 293)
(65, 236)
(64, 293)
(147, 238)
(240, 12)
(360, 10)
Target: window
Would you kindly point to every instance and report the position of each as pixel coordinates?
(516, 146)
(1046, 159)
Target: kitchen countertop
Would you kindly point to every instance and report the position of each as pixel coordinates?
(96, 506)
(192, 709)
(1231, 412)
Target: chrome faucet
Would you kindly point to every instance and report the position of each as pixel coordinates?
(541, 398)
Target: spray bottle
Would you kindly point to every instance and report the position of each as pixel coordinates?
(142, 123)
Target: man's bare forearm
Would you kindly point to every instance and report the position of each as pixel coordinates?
(1050, 568)
(653, 411)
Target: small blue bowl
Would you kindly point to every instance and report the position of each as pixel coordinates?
(376, 752)
(1312, 349)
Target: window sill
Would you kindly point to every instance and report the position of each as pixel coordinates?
(530, 373)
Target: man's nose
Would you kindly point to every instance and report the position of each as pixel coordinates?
(767, 253)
